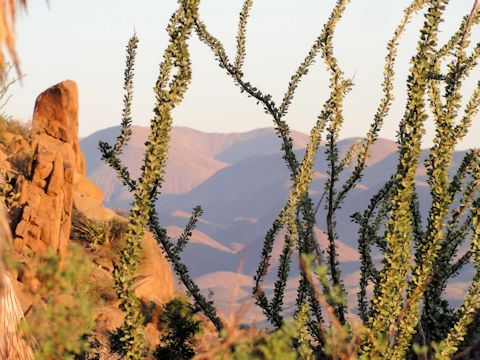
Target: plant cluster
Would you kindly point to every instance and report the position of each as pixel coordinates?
(406, 312)
(179, 324)
(172, 82)
(8, 194)
(9, 126)
(97, 234)
(392, 314)
(59, 319)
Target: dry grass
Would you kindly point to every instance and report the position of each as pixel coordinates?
(209, 346)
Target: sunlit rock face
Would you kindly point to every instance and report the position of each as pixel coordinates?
(47, 196)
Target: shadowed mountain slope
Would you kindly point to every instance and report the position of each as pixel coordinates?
(241, 182)
(194, 157)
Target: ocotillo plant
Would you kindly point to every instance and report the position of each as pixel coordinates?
(396, 300)
(418, 260)
(301, 174)
(172, 82)
(392, 315)
(301, 213)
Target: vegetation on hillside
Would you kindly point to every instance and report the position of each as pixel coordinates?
(402, 311)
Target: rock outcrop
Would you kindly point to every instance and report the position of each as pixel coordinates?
(49, 175)
(57, 184)
(47, 196)
(56, 118)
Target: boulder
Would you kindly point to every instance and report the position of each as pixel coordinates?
(154, 279)
(87, 198)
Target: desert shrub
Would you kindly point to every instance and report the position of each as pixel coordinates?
(121, 212)
(279, 344)
(89, 232)
(117, 229)
(150, 311)
(22, 162)
(21, 159)
(115, 343)
(179, 324)
(8, 195)
(62, 311)
(95, 234)
(14, 127)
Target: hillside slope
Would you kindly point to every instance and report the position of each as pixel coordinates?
(241, 182)
(194, 157)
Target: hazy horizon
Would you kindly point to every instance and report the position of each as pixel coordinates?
(85, 41)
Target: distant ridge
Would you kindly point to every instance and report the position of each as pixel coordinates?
(241, 182)
(194, 156)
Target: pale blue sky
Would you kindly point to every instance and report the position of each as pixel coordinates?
(84, 40)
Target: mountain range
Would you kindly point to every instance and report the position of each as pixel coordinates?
(241, 182)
